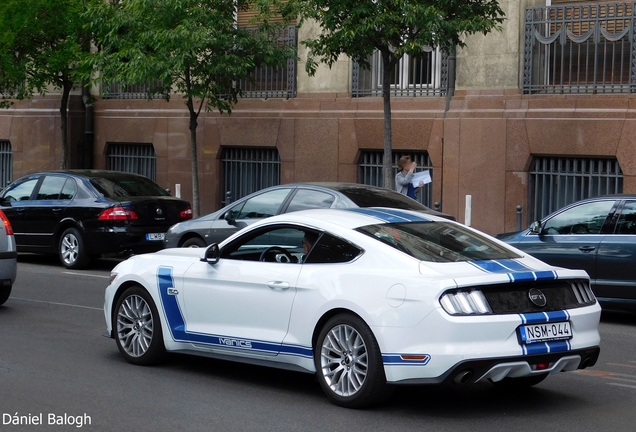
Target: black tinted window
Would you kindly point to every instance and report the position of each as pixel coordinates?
(122, 187)
(330, 249)
(51, 187)
(586, 218)
(21, 191)
(280, 244)
(627, 221)
(382, 198)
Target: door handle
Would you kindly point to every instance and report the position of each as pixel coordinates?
(587, 248)
(56, 210)
(278, 285)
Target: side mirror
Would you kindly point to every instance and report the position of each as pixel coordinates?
(535, 227)
(229, 218)
(211, 254)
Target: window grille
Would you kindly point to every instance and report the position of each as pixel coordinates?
(133, 158)
(133, 91)
(558, 181)
(370, 170)
(247, 170)
(6, 163)
(273, 82)
(585, 48)
(422, 75)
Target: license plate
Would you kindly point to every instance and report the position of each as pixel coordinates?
(155, 236)
(545, 332)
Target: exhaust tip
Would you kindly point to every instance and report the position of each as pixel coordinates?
(463, 377)
(585, 363)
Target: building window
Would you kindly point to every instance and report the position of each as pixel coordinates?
(422, 75)
(587, 48)
(133, 91)
(6, 163)
(247, 170)
(133, 158)
(370, 170)
(273, 82)
(558, 181)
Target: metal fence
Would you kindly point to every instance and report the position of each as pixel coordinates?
(133, 158)
(586, 48)
(246, 170)
(370, 170)
(558, 181)
(273, 82)
(6, 163)
(136, 91)
(423, 75)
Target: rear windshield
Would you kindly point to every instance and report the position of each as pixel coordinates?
(381, 198)
(127, 187)
(438, 241)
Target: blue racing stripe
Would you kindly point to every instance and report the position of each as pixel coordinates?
(390, 215)
(547, 347)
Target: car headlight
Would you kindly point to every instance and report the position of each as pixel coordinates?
(465, 303)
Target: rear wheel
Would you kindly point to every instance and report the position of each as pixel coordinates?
(137, 327)
(521, 382)
(194, 242)
(5, 292)
(71, 249)
(349, 364)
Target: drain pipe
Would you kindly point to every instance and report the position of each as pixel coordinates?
(89, 134)
(450, 92)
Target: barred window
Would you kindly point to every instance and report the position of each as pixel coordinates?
(6, 163)
(247, 170)
(133, 158)
(370, 170)
(558, 181)
(132, 91)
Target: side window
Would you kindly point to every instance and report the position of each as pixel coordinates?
(20, 192)
(330, 249)
(627, 221)
(50, 188)
(68, 191)
(281, 244)
(264, 205)
(309, 199)
(586, 218)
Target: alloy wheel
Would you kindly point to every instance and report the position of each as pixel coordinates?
(135, 325)
(344, 360)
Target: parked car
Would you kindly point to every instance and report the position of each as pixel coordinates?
(82, 214)
(597, 235)
(374, 296)
(217, 226)
(8, 258)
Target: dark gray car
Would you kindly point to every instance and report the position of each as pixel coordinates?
(217, 226)
(597, 235)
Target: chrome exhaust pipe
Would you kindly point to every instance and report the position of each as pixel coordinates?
(463, 377)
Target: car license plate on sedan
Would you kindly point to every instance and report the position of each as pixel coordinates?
(545, 332)
(155, 236)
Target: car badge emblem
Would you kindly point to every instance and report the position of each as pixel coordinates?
(537, 297)
(159, 212)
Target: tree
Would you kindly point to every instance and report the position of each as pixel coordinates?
(358, 28)
(42, 44)
(188, 47)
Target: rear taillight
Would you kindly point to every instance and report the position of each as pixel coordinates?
(5, 221)
(186, 213)
(117, 213)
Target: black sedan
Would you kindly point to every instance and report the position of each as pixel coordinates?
(217, 226)
(82, 214)
(597, 235)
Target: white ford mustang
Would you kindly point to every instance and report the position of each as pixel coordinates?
(364, 298)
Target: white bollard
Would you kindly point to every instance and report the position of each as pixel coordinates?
(469, 201)
(177, 190)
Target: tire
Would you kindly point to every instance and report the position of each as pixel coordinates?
(5, 292)
(349, 363)
(137, 328)
(520, 383)
(194, 242)
(71, 249)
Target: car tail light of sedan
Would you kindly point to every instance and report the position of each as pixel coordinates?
(186, 213)
(117, 213)
(7, 225)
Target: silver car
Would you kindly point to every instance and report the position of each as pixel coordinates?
(8, 258)
(216, 227)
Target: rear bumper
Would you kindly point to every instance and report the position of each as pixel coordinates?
(113, 240)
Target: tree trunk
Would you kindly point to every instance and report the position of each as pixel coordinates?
(194, 159)
(387, 161)
(66, 91)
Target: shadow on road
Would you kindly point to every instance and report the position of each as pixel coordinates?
(105, 264)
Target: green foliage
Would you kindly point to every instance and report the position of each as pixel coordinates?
(357, 28)
(181, 46)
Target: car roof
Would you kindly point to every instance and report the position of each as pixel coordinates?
(91, 173)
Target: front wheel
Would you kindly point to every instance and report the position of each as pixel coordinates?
(137, 327)
(71, 249)
(194, 242)
(349, 364)
(521, 382)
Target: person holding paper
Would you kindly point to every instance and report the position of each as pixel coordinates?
(404, 178)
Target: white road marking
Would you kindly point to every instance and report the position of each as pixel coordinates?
(57, 304)
(86, 274)
(623, 385)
